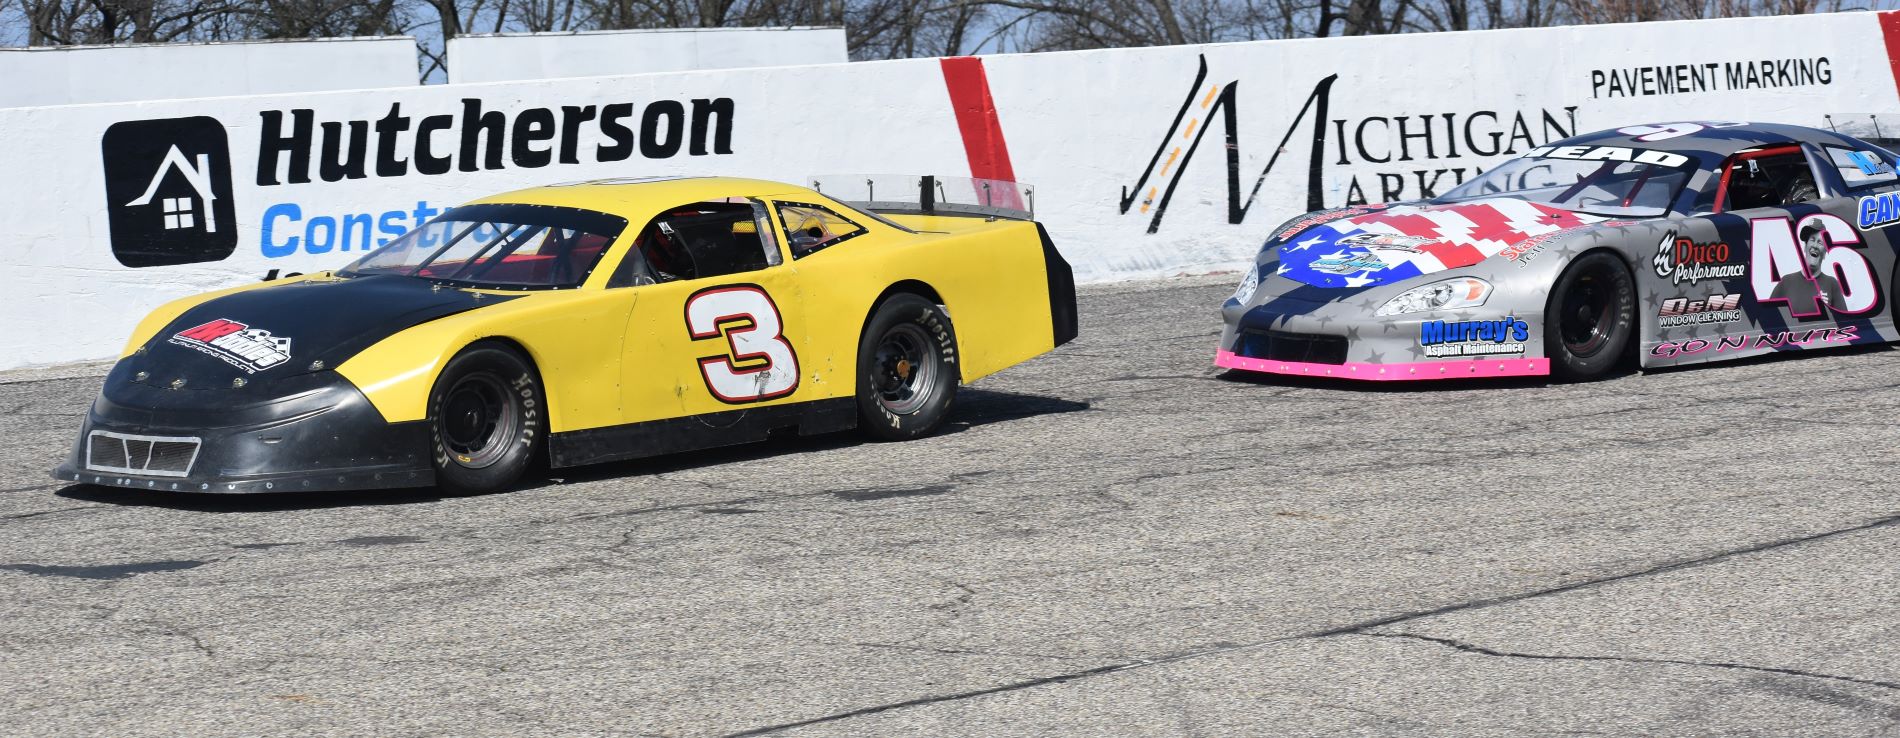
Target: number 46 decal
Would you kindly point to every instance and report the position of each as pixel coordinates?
(1778, 256)
(758, 364)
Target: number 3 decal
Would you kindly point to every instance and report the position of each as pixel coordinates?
(758, 363)
(1825, 249)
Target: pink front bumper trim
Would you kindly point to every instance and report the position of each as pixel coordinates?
(1457, 369)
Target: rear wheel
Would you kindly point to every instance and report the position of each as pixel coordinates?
(907, 369)
(1590, 318)
(486, 416)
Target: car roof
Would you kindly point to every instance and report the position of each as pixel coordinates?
(1713, 141)
(639, 197)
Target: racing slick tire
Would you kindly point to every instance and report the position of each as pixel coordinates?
(907, 369)
(1591, 318)
(486, 417)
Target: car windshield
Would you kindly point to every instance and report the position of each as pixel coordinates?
(498, 246)
(1615, 188)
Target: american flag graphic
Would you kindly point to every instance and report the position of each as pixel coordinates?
(1407, 241)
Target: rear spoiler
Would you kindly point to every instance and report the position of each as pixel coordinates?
(930, 195)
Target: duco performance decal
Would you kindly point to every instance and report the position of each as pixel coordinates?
(477, 139)
(1683, 260)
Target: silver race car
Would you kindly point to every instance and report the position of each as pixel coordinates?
(1667, 244)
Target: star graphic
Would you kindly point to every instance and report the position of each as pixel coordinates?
(1369, 305)
(1417, 351)
(1352, 334)
(1390, 327)
(1375, 358)
(1335, 255)
(1306, 244)
(1323, 320)
(1358, 281)
(1283, 269)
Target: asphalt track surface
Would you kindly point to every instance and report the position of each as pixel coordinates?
(1109, 540)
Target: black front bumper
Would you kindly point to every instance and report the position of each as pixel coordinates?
(304, 433)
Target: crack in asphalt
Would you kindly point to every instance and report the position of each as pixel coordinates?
(23, 516)
(198, 643)
(1673, 566)
(966, 651)
(1473, 648)
(1359, 628)
(30, 488)
(875, 709)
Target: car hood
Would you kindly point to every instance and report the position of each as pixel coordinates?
(1369, 246)
(272, 333)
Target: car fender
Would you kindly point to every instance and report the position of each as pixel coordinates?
(573, 337)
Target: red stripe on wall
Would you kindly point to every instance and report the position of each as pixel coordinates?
(976, 118)
(1890, 31)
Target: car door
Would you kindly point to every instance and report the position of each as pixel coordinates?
(718, 324)
(1807, 262)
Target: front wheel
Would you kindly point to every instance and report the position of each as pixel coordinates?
(486, 414)
(907, 369)
(1590, 317)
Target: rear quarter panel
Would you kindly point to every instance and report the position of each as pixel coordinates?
(990, 275)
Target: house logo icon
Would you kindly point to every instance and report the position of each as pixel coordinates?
(168, 191)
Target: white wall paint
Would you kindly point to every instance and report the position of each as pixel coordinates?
(74, 75)
(523, 56)
(1081, 126)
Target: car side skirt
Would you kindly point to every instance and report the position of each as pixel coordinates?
(1460, 369)
(696, 432)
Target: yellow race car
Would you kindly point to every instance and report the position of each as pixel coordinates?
(590, 322)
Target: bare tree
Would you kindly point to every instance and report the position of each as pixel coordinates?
(876, 29)
(325, 18)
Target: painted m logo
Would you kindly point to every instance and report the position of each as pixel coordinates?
(1194, 120)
